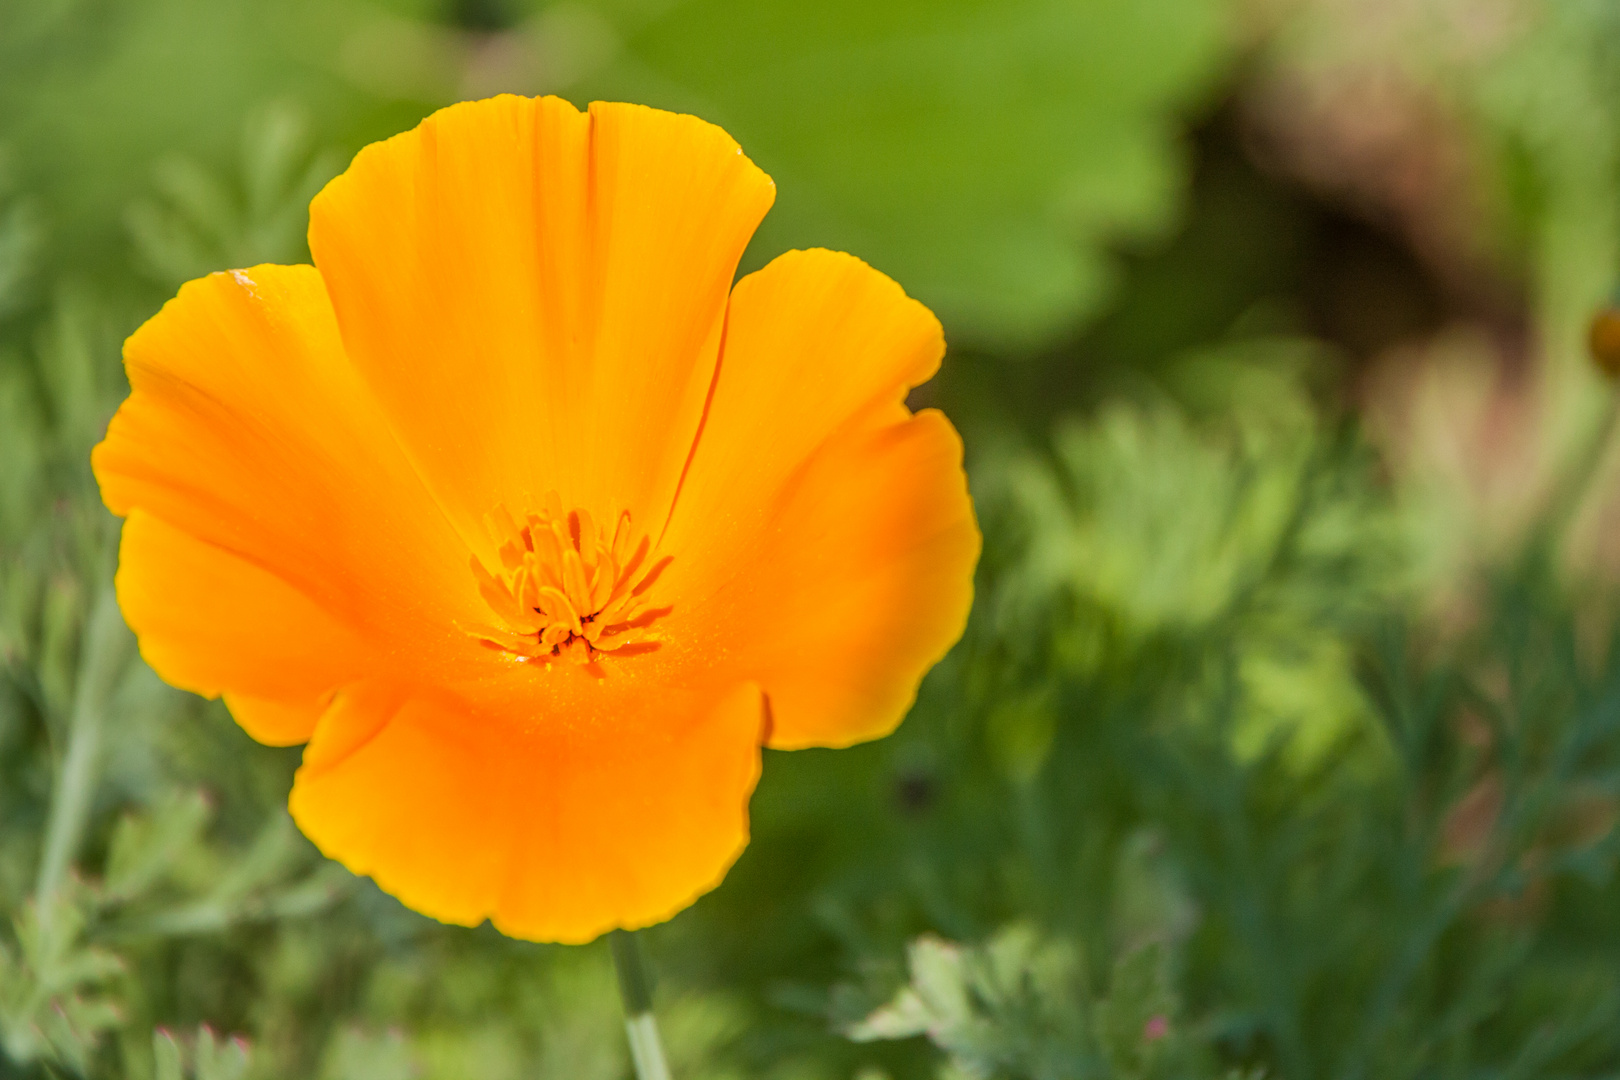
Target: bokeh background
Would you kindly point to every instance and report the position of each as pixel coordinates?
(1285, 738)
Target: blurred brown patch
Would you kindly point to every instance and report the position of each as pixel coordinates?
(1467, 830)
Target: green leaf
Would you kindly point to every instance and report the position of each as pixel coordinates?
(146, 846)
(53, 991)
(210, 1057)
(200, 221)
(22, 239)
(984, 153)
(1136, 1015)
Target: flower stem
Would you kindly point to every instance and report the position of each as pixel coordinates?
(635, 987)
(107, 647)
(1574, 485)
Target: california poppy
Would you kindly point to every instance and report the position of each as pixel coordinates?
(532, 525)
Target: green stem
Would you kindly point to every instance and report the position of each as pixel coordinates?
(1571, 489)
(635, 987)
(106, 649)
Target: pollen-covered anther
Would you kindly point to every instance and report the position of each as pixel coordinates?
(567, 585)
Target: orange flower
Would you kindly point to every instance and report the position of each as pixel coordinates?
(532, 525)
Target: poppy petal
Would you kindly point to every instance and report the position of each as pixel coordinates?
(274, 722)
(828, 529)
(863, 585)
(556, 830)
(249, 443)
(536, 294)
(185, 599)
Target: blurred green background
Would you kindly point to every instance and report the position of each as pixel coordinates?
(1285, 738)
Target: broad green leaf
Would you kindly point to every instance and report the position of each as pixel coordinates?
(984, 153)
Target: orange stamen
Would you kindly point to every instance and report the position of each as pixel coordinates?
(566, 585)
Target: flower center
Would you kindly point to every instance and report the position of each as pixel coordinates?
(568, 586)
